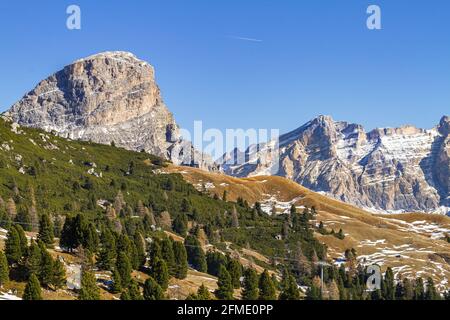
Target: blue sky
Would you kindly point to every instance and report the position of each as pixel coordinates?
(314, 57)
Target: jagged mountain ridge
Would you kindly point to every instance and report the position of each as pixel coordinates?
(392, 169)
(111, 96)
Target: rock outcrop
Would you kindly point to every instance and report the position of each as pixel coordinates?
(393, 169)
(108, 97)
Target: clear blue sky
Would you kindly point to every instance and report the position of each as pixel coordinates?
(314, 57)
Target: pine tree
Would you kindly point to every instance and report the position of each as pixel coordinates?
(196, 256)
(168, 255)
(419, 291)
(22, 239)
(235, 270)
(140, 250)
(32, 261)
(203, 293)
(266, 287)
(180, 223)
(13, 248)
(107, 255)
(431, 292)
(116, 282)
(181, 264)
(46, 272)
(46, 230)
(290, 288)
(133, 291)
(160, 273)
(225, 285)
(32, 289)
(123, 266)
(250, 289)
(59, 275)
(4, 269)
(388, 288)
(152, 290)
(11, 209)
(89, 289)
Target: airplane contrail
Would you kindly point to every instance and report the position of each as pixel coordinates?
(245, 39)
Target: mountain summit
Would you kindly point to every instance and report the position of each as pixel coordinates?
(104, 98)
(389, 169)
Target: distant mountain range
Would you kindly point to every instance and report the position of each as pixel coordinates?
(391, 169)
(113, 97)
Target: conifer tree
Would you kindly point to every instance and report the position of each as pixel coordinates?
(180, 223)
(431, 292)
(266, 287)
(89, 289)
(46, 271)
(160, 273)
(123, 266)
(22, 239)
(196, 256)
(133, 291)
(107, 255)
(235, 270)
(388, 288)
(250, 289)
(32, 289)
(152, 290)
(225, 285)
(116, 282)
(46, 234)
(139, 243)
(181, 264)
(4, 269)
(59, 275)
(168, 255)
(419, 291)
(290, 288)
(203, 293)
(13, 248)
(32, 260)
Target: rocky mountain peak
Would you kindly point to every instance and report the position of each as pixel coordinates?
(110, 96)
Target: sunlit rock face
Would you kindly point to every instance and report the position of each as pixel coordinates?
(392, 169)
(108, 97)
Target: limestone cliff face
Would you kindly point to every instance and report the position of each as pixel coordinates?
(107, 97)
(394, 169)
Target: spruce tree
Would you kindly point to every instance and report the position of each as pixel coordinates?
(431, 292)
(160, 273)
(203, 293)
(59, 275)
(133, 291)
(13, 248)
(419, 291)
(46, 269)
(180, 224)
(32, 261)
(140, 250)
(152, 290)
(235, 270)
(32, 289)
(123, 266)
(107, 255)
(89, 289)
(46, 234)
(289, 289)
(168, 255)
(266, 287)
(4, 269)
(250, 289)
(225, 285)
(196, 256)
(116, 282)
(181, 264)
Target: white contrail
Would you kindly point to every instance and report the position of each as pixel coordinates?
(245, 39)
